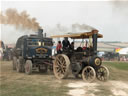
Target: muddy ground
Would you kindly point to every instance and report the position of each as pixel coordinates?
(39, 84)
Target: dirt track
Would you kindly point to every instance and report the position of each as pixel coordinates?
(67, 87)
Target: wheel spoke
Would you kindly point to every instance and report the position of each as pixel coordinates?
(58, 61)
(102, 73)
(88, 74)
(61, 66)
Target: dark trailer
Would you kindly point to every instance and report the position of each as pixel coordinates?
(32, 52)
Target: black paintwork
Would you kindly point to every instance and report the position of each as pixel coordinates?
(26, 51)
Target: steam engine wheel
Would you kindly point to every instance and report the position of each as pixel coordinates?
(20, 64)
(88, 74)
(102, 73)
(61, 66)
(28, 67)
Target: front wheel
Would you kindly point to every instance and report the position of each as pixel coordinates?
(88, 74)
(102, 73)
(28, 67)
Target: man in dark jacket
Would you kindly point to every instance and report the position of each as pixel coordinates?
(66, 43)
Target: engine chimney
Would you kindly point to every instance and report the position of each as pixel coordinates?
(95, 32)
(40, 33)
(45, 34)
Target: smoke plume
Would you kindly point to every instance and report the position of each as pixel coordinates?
(82, 27)
(120, 9)
(60, 29)
(22, 19)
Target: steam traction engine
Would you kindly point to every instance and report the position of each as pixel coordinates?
(81, 61)
(32, 52)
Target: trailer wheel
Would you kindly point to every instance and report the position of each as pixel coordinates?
(61, 66)
(43, 68)
(22, 62)
(19, 66)
(102, 73)
(28, 67)
(14, 63)
(88, 74)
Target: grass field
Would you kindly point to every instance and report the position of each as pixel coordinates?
(118, 70)
(118, 65)
(20, 84)
(39, 84)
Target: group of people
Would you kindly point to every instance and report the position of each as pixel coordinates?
(65, 45)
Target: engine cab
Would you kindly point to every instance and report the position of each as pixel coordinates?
(35, 48)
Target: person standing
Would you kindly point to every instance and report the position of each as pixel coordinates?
(66, 43)
(72, 46)
(59, 47)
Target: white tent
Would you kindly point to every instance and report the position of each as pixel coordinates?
(124, 51)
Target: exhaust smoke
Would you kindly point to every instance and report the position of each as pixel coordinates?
(82, 27)
(12, 17)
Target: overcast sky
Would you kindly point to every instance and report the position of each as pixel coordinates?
(110, 18)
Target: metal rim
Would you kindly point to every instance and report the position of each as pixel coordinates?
(28, 67)
(61, 66)
(88, 74)
(102, 73)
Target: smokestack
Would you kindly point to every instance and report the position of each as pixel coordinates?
(45, 34)
(40, 33)
(95, 32)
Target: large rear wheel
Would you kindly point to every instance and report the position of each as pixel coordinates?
(102, 73)
(28, 67)
(88, 74)
(61, 66)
